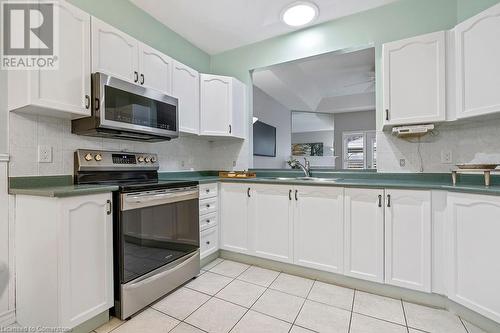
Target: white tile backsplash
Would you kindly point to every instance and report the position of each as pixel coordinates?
(464, 139)
(27, 132)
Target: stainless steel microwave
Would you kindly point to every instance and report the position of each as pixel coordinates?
(124, 110)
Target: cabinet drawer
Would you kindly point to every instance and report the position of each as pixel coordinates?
(208, 221)
(208, 206)
(209, 241)
(208, 191)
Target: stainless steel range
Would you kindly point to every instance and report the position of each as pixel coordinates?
(156, 226)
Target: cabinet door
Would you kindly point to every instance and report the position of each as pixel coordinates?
(478, 73)
(67, 88)
(271, 222)
(473, 231)
(114, 52)
(215, 105)
(186, 87)
(234, 217)
(415, 80)
(86, 262)
(155, 69)
(364, 234)
(239, 107)
(318, 227)
(408, 239)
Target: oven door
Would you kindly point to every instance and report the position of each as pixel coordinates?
(155, 229)
(123, 106)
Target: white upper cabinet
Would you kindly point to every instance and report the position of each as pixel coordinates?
(114, 52)
(234, 215)
(155, 69)
(222, 106)
(186, 87)
(414, 80)
(408, 239)
(473, 230)
(318, 227)
(364, 234)
(64, 92)
(477, 58)
(271, 224)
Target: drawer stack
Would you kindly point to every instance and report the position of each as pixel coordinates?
(209, 231)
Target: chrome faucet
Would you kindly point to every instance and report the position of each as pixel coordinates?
(306, 167)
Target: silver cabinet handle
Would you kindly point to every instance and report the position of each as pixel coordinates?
(248, 192)
(230, 129)
(136, 76)
(87, 102)
(296, 195)
(388, 200)
(380, 200)
(290, 195)
(142, 79)
(386, 114)
(207, 190)
(109, 206)
(208, 242)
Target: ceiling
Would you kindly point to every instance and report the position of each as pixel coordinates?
(332, 83)
(220, 25)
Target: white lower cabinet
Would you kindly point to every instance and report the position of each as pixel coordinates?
(408, 239)
(318, 227)
(234, 217)
(209, 229)
(271, 222)
(364, 234)
(473, 230)
(66, 275)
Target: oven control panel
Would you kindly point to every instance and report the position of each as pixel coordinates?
(114, 160)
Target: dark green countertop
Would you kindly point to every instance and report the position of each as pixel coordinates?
(61, 186)
(54, 186)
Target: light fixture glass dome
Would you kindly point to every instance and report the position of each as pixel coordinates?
(299, 13)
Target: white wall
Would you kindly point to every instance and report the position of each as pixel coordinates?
(464, 140)
(269, 111)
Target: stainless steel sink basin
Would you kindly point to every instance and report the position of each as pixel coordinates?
(309, 179)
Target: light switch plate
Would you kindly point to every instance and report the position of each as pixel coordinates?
(44, 154)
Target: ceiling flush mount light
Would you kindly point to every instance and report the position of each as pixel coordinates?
(299, 13)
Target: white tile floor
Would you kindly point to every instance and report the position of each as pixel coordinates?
(233, 297)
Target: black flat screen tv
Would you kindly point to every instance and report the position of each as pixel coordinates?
(264, 139)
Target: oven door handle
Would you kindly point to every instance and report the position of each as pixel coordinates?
(141, 201)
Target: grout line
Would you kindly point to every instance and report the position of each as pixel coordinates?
(352, 311)
(404, 314)
(252, 303)
(303, 303)
(465, 326)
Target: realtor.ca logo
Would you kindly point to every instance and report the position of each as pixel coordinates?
(29, 35)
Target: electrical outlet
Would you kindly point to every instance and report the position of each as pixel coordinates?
(446, 157)
(44, 154)
(402, 162)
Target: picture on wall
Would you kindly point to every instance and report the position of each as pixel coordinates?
(307, 149)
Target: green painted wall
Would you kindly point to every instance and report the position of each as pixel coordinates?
(137, 23)
(468, 8)
(398, 20)
(395, 21)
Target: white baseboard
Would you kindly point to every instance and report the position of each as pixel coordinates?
(8, 318)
